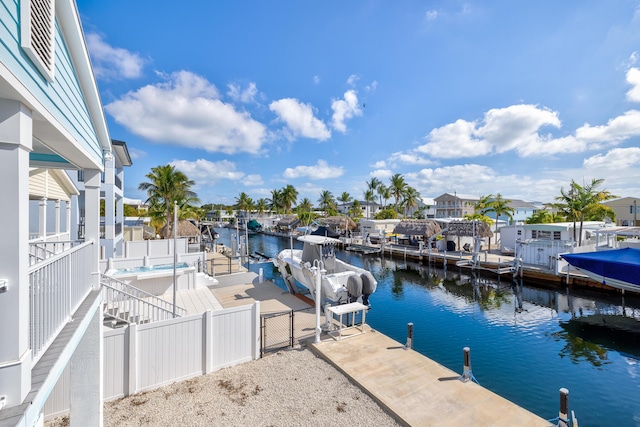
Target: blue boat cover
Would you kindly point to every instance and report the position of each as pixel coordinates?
(620, 264)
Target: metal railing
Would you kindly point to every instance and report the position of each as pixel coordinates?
(132, 305)
(58, 284)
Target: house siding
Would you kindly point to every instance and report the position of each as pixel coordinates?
(63, 98)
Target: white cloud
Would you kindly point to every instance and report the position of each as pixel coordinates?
(453, 178)
(411, 158)
(353, 79)
(135, 153)
(111, 62)
(252, 180)
(316, 79)
(321, 170)
(633, 78)
(380, 164)
(299, 119)
(381, 174)
(372, 86)
(205, 172)
(344, 109)
(431, 15)
(186, 110)
(520, 128)
(246, 95)
(617, 159)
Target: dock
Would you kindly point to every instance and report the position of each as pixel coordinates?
(416, 390)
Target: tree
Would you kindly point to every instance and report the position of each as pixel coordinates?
(398, 187)
(289, 197)
(166, 186)
(411, 199)
(542, 216)
(500, 206)
(370, 198)
(580, 200)
(345, 198)
(355, 211)
(482, 203)
(327, 203)
(384, 193)
(387, 214)
(304, 211)
(244, 203)
(261, 206)
(276, 203)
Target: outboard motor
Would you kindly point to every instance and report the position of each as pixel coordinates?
(354, 287)
(368, 286)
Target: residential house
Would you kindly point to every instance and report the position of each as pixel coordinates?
(368, 209)
(112, 193)
(626, 210)
(455, 205)
(51, 119)
(521, 211)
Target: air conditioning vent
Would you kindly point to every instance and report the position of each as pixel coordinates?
(37, 19)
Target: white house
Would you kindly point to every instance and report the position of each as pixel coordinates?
(51, 120)
(377, 227)
(368, 209)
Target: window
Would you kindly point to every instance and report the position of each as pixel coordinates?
(546, 235)
(37, 26)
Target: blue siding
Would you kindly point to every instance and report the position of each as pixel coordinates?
(63, 97)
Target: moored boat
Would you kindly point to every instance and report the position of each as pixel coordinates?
(341, 283)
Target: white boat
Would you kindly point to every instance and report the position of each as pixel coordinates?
(341, 282)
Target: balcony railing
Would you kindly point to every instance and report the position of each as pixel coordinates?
(57, 287)
(132, 305)
(40, 250)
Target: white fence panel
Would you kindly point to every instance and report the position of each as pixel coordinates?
(143, 357)
(115, 365)
(169, 351)
(236, 335)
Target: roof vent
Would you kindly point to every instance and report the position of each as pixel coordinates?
(37, 21)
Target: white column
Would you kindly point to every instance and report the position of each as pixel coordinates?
(85, 382)
(109, 207)
(68, 221)
(15, 355)
(42, 217)
(92, 215)
(57, 227)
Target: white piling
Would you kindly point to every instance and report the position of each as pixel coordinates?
(409, 344)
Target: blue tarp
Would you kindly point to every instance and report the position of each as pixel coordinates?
(620, 264)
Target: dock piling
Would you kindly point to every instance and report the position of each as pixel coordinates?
(563, 416)
(409, 344)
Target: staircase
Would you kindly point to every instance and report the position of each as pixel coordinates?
(124, 304)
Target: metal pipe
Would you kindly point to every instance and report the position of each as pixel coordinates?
(409, 345)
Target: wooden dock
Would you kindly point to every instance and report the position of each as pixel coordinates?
(416, 390)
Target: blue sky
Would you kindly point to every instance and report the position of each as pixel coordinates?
(516, 98)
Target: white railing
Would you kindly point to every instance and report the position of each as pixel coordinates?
(57, 287)
(132, 305)
(40, 250)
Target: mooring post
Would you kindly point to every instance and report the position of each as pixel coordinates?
(409, 345)
(260, 275)
(563, 416)
(466, 370)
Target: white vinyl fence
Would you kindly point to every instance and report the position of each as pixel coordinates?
(144, 357)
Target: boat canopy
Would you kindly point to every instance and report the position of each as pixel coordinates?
(620, 264)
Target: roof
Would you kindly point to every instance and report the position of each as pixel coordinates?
(121, 150)
(515, 203)
(338, 222)
(469, 228)
(288, 221)
(417, 227)
(459, 196)
(185, 229)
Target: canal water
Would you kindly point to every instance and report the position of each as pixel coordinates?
(526, 341)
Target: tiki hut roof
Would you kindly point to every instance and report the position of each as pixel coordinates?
(469, 229)
(417, 227)
(185, 229)
(338, 222)
(288, 221)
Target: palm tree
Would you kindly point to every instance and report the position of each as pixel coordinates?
(373, 183)
(345, 198)
(326, 202)
(261, 206)
(244, 203)
(580, 200)
(355, 211)
(500, 206)
(397, 188)
(411, 199)
(304, 211)
(289, 197)
(482, 203)
(369, 197)
(276, 203)
(166, 186)
(384, 193)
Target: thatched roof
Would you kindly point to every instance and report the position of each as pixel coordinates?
(288, 221)
(469, 229)
(185, 229)
(417, 227)
(338, 222)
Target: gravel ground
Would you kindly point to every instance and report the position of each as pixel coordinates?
(289, 388)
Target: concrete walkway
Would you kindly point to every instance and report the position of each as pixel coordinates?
(417, 390)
